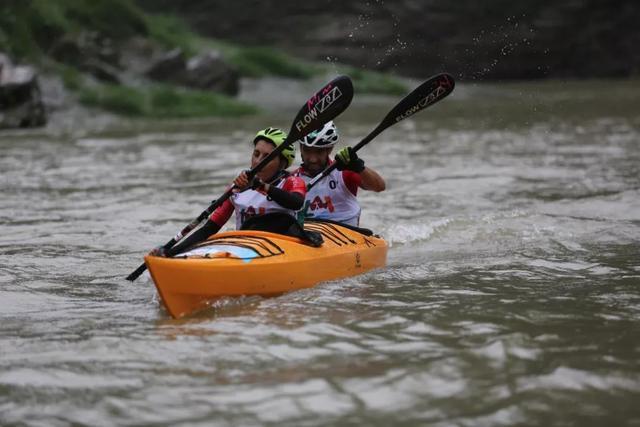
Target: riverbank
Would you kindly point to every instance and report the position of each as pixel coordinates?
(114, 57)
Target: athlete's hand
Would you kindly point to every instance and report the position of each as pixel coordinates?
(242, 181)
(347, 159)
(159, 251)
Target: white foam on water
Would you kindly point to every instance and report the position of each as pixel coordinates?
(407, 233)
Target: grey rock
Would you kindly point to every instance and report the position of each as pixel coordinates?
(20, 98)
(209, 71)
(89, 52)
(206, 71)
(169, 67)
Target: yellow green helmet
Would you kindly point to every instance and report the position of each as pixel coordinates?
(277, 138)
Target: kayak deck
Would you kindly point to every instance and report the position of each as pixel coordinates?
(239, 263)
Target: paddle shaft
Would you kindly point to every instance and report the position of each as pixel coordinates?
(433, 90)
(325, 105)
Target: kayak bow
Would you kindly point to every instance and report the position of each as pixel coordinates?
(251, 262)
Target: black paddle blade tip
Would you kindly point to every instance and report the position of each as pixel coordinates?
(134, 275)
(428, 93)
(323, 106)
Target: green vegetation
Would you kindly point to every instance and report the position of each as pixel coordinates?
(162, 101)
(72, 78)
(171, 32)
(30, 28)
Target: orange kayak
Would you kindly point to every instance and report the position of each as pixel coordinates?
(251, 262)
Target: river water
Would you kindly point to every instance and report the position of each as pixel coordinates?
(511, 295)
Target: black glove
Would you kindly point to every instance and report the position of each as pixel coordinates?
(347, 159)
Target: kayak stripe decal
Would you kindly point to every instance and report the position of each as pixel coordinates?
(330, 232)
(258, 241)
(336, 230)
(329, 235)
(262, 246)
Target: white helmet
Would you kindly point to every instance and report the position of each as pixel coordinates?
(326, 136)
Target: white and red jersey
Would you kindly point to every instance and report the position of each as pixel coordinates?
(333, 197)
(250, 203)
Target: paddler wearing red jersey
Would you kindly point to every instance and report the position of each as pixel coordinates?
(335, 196)
(273, 190)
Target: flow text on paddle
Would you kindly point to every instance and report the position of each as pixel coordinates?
(442, 89)
(318, 104)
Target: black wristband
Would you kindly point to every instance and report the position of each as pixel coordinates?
(357, 165)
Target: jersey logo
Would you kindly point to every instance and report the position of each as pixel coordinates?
(317, 203)
(245, 214)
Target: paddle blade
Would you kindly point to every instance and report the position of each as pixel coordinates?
(322, 107)
(428, 93)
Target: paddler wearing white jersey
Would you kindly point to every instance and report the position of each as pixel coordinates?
(335, 196)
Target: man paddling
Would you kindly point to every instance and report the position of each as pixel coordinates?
(334, 197)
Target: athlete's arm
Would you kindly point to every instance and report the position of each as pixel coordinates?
(291, 196)
(368, 179)
(371, 180)
(347, 160)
